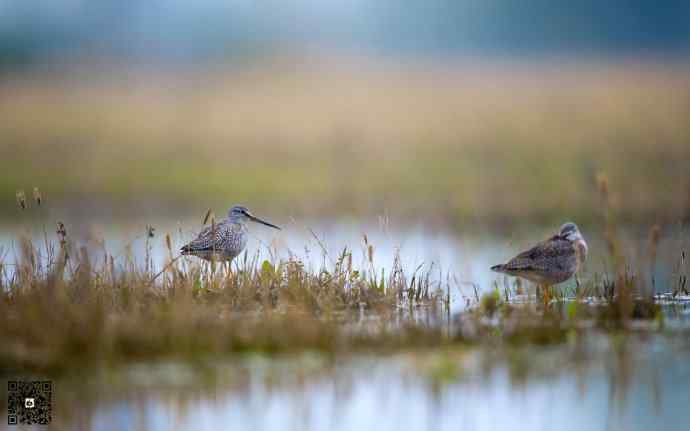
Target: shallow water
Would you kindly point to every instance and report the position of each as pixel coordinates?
(317, 243)
(466, 254)
(645, 385)
(634, 388)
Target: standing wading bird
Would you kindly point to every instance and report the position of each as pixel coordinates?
(550, 262)
(225, 240)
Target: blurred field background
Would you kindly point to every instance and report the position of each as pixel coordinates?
(467, 129)
(346, 109)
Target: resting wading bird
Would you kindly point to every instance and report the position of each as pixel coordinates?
(550, 262)
(220, 242)
(225, 240)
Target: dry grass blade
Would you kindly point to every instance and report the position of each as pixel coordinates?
(37, 197)
(209, 216)
(21, 199)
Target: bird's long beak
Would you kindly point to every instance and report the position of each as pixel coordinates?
(258, 220)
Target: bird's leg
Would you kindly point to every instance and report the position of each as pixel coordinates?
(211, 273)
(546, 295)
(214, 270)
(221, 270)
(202, 272)
(209, 270)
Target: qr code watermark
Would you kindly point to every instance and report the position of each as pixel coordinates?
(29, 403)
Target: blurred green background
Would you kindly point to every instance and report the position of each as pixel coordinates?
(466, 111)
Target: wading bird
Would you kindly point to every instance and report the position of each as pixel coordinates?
(225, 240)
(550, 262)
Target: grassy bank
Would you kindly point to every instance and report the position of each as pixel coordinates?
(462, 142)
(63, 309)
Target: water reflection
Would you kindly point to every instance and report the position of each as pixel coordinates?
(631, 384)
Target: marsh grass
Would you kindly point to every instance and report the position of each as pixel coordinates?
(65, 308)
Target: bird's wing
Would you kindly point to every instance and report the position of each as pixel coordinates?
(210, 238)
(542, 255)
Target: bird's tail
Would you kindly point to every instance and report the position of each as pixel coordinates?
(499, 268)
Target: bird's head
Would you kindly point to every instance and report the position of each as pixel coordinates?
(570, 232)
(241, 213)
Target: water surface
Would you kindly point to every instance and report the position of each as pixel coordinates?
(629, 383)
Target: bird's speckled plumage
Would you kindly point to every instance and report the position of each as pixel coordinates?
(225, 240)
(552, 261)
